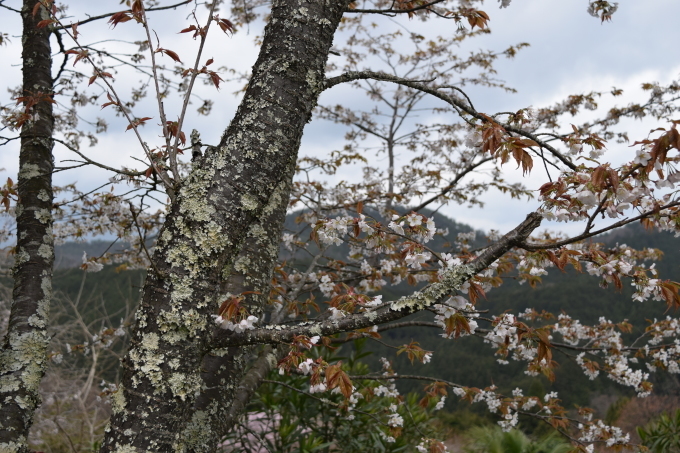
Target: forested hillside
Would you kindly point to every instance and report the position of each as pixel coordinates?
(466, 360)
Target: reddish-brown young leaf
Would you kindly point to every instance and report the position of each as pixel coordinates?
(215, 79)
(336, 377)
(169, 53)
(137, 7)
(456, 325)
(111, 101)
(189, 29)
(225, 25)
(475, 291)
(119, 18)
(137, 122)
(36, 8)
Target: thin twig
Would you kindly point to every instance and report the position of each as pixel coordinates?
(104, 16)
(194, 74)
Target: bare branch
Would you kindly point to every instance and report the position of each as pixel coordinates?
(104, 16)
(436, 92)
(393, 12)
(97, 164)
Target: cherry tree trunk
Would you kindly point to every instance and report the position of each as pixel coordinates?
(23, 355)
(229, 189)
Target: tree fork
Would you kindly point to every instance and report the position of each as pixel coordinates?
(207, 225)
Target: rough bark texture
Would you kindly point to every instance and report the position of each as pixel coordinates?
(23, 357)
(223, 370)
(227, 192)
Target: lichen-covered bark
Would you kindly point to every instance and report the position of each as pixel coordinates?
(224, 195)
(451, 280)
(23, 356)
(222, 371)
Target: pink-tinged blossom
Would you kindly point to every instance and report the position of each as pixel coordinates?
(317, 388)
(414, 220)
(326, 286)
(642, 157)
(588, 198)
(336, 314)
(375, 302)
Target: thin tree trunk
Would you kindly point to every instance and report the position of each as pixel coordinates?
(225, 194)
(23, 357)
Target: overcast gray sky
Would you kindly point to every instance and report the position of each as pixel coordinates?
(571, 52)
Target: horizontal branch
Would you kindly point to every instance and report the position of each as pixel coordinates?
(97, 164)
(393, 11)
(104, 16)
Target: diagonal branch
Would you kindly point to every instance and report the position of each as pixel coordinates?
(453, 183)
(97, 164)
(456, 103)
(451, 280)
(589, 234)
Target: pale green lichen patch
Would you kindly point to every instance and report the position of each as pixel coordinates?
(12, 447)
(43, 195)
(249, 202)
(8, 383)
(29, 171)
(118, 400)
(178, 325)
(184, 385)
(37, 321)
(197, 433)
(43, 215)
(45, 251)
(242, 264)
(21, 257)
(126, 449)
(146, 359)
(451, 280)
(150, 341)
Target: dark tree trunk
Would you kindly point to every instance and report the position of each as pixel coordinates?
(23, 359)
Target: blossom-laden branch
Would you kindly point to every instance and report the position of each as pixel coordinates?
(452, 279)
